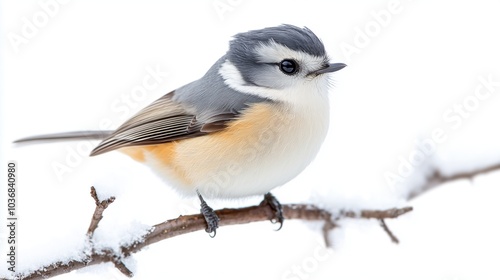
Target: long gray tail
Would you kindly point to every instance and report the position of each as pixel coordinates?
(67, 136)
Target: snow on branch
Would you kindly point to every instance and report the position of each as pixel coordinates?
(261, 212)
(191, 223)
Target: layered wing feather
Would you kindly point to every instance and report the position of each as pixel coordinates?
(163, 121)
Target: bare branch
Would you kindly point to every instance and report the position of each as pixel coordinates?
(391, 213)
(437, 178)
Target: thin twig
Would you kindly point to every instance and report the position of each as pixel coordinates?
(100, 206)
(122, 268)
(437, 178)
(388, 231)
(328, 226)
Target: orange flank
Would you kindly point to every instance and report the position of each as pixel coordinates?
(249, 127)
(163, 152)
(206, 154)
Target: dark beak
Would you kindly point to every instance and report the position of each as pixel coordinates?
(331, 68)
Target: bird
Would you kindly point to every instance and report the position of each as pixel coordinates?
(253, 122)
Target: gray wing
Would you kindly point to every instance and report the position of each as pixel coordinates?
(163, 121)
(198, 108)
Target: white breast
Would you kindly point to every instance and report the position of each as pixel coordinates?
(290, 147)
(270, 145)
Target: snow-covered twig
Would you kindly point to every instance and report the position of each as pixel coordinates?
(191, 223)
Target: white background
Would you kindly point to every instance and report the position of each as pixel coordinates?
(410, 63)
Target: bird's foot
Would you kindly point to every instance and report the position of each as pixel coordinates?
(275, 205)
(210, 217)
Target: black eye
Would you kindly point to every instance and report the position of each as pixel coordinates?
(289, 67)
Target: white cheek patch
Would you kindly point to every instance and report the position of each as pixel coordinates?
(295, 86)
(297, 94)
(233, 78)
(268, 53)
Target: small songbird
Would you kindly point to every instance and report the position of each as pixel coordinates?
(253, 122)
